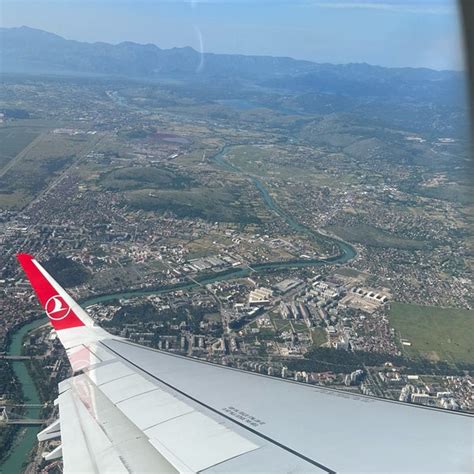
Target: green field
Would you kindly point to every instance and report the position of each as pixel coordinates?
(373, 237)
(31, 170)
(13, 140)
(453, 192)
(204, 246)
(319, 336)
(435, 333)
(225, 204)
(281, 324)
(138, 177)
(269, 161)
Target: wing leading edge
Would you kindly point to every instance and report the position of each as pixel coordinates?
(134, 409)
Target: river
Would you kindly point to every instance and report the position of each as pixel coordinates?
(27, 438)
(345, 251)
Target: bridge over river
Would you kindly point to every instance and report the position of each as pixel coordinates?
(20, 357)
(11, 418)
(343, 252)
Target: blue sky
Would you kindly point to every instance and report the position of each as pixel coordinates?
(385, 32)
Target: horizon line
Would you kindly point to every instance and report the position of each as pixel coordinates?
(461, 70)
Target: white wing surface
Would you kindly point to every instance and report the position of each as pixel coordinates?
(134, 409)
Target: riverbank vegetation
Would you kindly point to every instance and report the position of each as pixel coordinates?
(10, 390)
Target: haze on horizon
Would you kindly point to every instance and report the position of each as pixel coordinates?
(403, 33)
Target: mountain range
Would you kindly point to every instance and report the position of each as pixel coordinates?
(33, 51)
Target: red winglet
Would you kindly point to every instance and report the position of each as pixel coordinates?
(54, 299)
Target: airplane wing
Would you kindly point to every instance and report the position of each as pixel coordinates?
(129, 408)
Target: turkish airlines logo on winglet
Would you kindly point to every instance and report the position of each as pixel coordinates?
(56, 308)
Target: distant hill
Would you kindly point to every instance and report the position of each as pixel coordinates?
(28, 50)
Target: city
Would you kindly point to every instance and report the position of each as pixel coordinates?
(290, 243)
